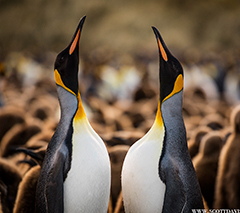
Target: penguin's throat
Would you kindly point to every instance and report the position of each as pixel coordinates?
(157, 130)
(80, 114)
(159, 119)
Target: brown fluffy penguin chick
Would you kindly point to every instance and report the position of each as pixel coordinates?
(110, 209)
(8, 118)
(227, 193)
(195, 140)
(1, 208)
(16, 160)
(16, 137)
(25, 200)
(45, 86)
(121, 137)
(119, 205)
(43, 107)
(41, 112)
(205, 205)
(106, 113)
(9, 180)
(190, 108)
(39, 140)
(206, 164)
(195, 93)
(117, 154)
(214, 121)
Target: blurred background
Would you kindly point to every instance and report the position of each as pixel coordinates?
(119, 32)
(118, 76)
(121, 26)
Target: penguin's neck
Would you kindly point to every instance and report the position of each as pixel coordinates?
(80, 114)
(80, 121)
(71, 107)
(172, 110)
(68, 105)
(159, 120)
(173, 121)
(157, 130)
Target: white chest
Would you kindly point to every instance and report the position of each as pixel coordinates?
(143, 190)
(87, 186)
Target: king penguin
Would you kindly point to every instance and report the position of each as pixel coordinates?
(75, 175)
(158, 174)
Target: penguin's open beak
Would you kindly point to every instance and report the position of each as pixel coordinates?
(74, 45)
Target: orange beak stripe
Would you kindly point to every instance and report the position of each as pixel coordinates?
(164, 55)
(73, 46)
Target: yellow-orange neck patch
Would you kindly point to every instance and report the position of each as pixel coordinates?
(163, 53)
(80, 114)
(80, 111)
(159, 119)
(178, 86)
(59, 81)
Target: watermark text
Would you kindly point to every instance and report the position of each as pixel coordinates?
(215, 210)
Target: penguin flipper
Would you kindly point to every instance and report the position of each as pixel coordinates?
(54, 187)
(175, 198)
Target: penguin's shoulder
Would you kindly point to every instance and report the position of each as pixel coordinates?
(59, 150)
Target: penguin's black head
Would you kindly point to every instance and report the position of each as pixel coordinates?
(171, 72)
(67, 61)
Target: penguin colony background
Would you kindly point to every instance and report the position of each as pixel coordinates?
(121, 112)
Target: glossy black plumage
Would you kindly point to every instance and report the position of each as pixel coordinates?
(57, 161)
(175, 166)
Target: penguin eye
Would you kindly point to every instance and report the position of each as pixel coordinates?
(62, 59)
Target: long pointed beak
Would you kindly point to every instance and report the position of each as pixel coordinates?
(76, 38)
(163, 50)
(170, 71)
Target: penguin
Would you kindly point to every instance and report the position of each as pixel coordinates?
(25, 199)
(9, 181)
(215, 121)
(8, 118)
(227, 190)
(75, 175)
(17, 136)
(196, 138)
(117, 154)
(39, 140)
(119, 205)
(158, 174)
(206, 164)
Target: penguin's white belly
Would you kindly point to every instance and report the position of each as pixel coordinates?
(87, 186)
(143, 190)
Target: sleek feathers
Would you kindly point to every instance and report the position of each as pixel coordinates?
(158, 175)
(75, 175)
